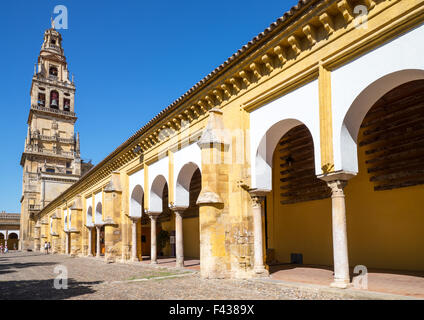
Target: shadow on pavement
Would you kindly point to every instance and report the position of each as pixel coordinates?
(8, 267)
(43, 290)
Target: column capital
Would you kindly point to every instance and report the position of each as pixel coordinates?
(178, 209)
(153, 215)
(258, 196)
(337, 187)
(89, 227)
(133, 219)
(338, 175)
(337, 181)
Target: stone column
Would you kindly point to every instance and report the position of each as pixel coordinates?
(258, 259)
(179, 243)
(134, 238)
(90, 241)
(153, 246)
(98, 242)
(37, 237)
(337, 182)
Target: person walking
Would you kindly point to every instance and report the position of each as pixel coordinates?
(1, 248)
(5, 249)
(46, 248)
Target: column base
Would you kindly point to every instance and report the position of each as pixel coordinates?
(153, 262)
(340, 284)
(260, 272)
(134, 260)
(89, 255)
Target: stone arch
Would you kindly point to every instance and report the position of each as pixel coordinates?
(266, 148)
(13, 235)
(89, 216)
(184, 179)
(98, 214)
(2, 235)
(360, 107)
(156, 194)
(136, 201)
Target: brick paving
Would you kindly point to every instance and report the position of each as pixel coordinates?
(27, 275)
(385, 281)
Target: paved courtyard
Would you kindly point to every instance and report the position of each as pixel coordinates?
(28, 275)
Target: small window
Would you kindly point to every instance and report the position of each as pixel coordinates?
(54, 100)
(53, 71)
(68, 164)
(66, 104)
(68, 172)
(50, 170)
(41, 100)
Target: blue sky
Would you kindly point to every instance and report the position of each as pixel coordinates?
(130, 58)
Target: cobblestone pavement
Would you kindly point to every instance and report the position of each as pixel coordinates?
(27, 275)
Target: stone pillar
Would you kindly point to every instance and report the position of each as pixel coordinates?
(134, 238)
(90, 241)
(37, 237)
(112, 218)
(98, 241)
(337, 182)
(257, 212)
(213, 200)
(179, 243)
(153, 245)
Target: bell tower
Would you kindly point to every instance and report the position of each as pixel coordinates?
(51, 159)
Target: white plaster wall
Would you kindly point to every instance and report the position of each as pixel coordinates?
(89, 203)
(97, 199)
(297, 107)
(348, 81)
(65, 219)
(135, 179)
(161, 167)
(191, 153)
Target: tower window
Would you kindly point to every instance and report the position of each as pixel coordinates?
(53, 71)
(54, 100)
(66, 104)
(50, 170)
(41, 100)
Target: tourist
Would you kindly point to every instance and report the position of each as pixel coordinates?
(5, 249)
(1, 248)
(46, 247)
